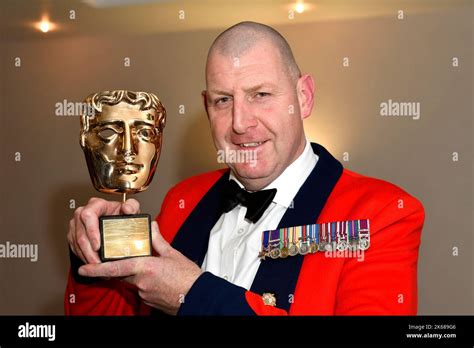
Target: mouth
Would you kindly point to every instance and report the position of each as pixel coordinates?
(251, 145)
(128, 168)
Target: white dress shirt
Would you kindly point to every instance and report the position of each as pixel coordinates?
(234, 243)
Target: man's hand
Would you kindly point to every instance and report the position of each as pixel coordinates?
(84, 235)
(162, 281)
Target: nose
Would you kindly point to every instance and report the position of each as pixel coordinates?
(242, 116)
(128, 144)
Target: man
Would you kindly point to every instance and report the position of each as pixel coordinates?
(207, 252)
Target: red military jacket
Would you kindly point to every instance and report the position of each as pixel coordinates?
(383, 283)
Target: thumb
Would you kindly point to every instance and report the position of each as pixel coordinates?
(130, 206)
(159, 243)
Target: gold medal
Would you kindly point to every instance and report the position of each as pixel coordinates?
(293, 249)
(284, 243)
(274, 244)
(275, 253)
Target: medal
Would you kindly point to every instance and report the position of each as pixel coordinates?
(274, 244)
(364, 234)
(328, 246)
(364, 244)
(293, 250)
(284, 249)
(352, 244)
(265, 239)
(329, 236)
(304, 247)
(275, 253)
(323, 239)
(313, 247)
(342, 243)
(334, 236)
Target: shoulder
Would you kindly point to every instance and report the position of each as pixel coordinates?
(369, 197)
(365, 187)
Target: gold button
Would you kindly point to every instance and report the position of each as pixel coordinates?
(269, 299)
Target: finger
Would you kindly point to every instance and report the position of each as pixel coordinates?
(70, 236)
(131, 206)
(77, 249)
(102, 207)
(130, 280)
(160, 245)
(87, 234)
(112, 269)
(78, 230)
(90, 221)
(79, 252)
(86, 248)
(90, 218)
(149, 304)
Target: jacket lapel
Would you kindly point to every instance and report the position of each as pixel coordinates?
(193, 237)
(279, 276)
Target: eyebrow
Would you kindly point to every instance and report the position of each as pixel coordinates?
(108, 122)
(247, 90)
(220, 92)
(257, 87)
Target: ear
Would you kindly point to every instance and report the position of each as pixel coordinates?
(204, 100)
(84, 125)
(305, 93)
(82, 139)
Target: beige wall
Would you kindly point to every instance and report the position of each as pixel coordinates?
(409, 61)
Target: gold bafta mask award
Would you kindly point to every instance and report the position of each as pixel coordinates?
(121, 136)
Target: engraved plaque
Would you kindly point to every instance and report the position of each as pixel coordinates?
(125, 236)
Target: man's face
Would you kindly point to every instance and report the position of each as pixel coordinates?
(252, 105)
(122, 148)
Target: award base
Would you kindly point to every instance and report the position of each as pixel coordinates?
(125, 236)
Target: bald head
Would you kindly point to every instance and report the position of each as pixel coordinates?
(242, 37)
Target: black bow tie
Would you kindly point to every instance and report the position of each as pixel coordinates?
(256, 202)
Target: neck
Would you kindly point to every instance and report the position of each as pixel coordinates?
(252, 185)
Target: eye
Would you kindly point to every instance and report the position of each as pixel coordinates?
(222, 100)
(146, 133)
(106, 133)
(261, 95)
